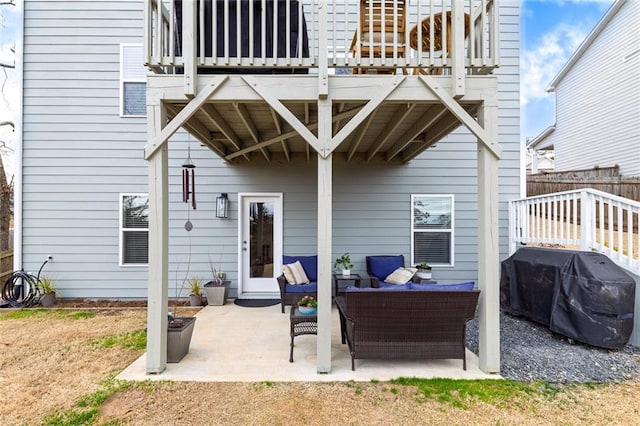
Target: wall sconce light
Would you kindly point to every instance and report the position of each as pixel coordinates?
(222, 206)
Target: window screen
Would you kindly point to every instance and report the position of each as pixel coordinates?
(133, 81)
(134, 229)
(432, 229)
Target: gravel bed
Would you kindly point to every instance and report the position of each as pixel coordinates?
(531, 352)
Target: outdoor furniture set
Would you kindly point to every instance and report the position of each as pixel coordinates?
(397, 317)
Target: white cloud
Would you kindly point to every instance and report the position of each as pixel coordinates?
(541, 63)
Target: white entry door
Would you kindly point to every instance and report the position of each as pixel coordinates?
(260, 245)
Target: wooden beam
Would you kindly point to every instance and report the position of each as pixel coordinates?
(289, 134)
(273, 99)
(400, 115)
(199, 131)
(461, 114)
(343, 89)
(192, 107)
(158, 272)
(379, 94)
(216, 118)
(431, 115)
(243, 112)
(488, 247)
(325, 219)
(359, 135)
(278, 123)
(445, 125)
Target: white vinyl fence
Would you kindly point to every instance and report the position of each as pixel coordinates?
(584, 219)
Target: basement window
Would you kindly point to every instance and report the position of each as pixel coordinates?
(134, 229)
(432, 233)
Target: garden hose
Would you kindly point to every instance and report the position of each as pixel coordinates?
(21, 290)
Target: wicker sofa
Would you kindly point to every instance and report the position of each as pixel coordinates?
(406, 324)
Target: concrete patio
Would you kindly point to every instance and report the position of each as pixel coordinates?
(237, 344)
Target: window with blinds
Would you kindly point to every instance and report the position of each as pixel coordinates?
(432, 229)
(134, 229)
(133, 81)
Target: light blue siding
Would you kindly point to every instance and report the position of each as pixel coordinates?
(79, 155)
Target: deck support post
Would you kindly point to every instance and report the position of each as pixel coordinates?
(457, 57)
(488, 244)
(158, 274)
(325, 206)
(189, 47)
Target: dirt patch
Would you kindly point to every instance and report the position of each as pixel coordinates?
(51, 361)
(121, 404)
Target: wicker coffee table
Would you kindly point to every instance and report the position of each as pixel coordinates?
(301, 324)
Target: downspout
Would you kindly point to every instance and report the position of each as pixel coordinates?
(17, 188)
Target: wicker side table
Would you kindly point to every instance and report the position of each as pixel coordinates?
(301, 324)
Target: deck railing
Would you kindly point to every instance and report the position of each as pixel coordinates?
(211, 35)
(586, 219)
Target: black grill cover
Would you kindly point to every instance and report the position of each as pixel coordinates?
(581, 295)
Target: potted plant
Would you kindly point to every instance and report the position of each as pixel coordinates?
(307, 305)
(195, 291)
(424, 271)
(344, 263)
(217, 290)
(47, 287)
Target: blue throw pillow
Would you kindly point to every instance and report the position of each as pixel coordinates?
(444, 287)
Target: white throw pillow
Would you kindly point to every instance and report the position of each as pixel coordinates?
(294, 273)
(401, 276)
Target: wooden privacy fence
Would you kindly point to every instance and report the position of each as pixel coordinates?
(6, 265)
(606, 179)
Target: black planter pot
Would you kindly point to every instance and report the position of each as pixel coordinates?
(179, 338)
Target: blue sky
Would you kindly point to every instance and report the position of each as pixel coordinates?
(551, 30)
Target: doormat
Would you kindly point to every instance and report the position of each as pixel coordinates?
(256, 303)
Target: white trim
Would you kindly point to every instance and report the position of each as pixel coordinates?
(121, 230)
(277, 237)
(450, 230)
(17, 189)
(131, 80)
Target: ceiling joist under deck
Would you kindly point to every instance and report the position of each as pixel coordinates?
(391, 120)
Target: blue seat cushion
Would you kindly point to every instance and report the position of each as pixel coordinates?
(312, 287)
(309, 264)
(443, 287)
(382, 266)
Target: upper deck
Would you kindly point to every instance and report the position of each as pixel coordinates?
(346, 36)
(422, 81)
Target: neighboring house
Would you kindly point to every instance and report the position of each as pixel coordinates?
(597, 108)
(115, 224)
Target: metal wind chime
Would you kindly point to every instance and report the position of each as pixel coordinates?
(189, 185)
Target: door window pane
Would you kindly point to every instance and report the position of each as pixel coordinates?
(261, 239)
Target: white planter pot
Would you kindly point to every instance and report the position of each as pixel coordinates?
(346, 272)
(425, 275)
